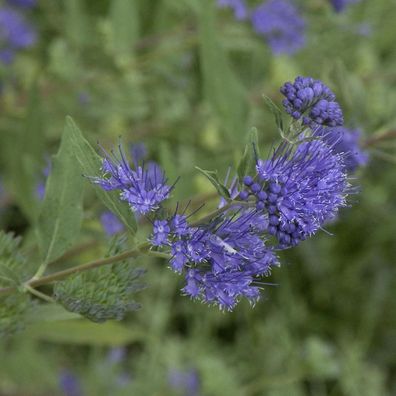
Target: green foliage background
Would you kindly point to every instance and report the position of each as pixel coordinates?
(186, 79)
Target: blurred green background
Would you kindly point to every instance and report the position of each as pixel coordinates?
(186, 79)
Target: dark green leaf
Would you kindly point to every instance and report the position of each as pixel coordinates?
(23, 148)
(275, 110)
(247, 165)
(90, 165)
(12, 273)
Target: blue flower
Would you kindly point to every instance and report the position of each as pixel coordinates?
(69, 384)
(346, 141)
(186, 381)
(339, 5)
(312, 101)
(40, 186)
(239, 7)
(15, 34)
(144, 188)
(299, 189)
(161, 231)
(22, 3)
(281, 24)
(111, 224)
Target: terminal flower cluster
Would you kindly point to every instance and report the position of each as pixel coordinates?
(311, 101)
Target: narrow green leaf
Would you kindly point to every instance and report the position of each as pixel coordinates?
(247, 165)
(222, 88)
(23, 147)
(276, 112)
(61, 213)
(212, 177)
(124, 19)
(90, 163)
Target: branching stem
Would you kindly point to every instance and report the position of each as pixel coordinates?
(143, 248)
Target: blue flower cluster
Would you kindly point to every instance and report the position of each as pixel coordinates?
(15, 33)
(286, 198)
(278, 21)
(143, 187)
(281, 24)
(312, 101)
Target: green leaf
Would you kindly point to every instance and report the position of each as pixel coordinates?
(222, 87)
(13, 272)
(247, 165)
(61, 213)
(276, 112)
(90, 164)
(82, 332)
(212, 177)
(101, 294)
(124, 18)
(12, 313)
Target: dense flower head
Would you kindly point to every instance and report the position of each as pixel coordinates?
(15, 34)
(143, 187)
(111, 224)
(312, 101)
(299, 189)
(239, 7)
(340, 5)
(222, 260)
(346, 141)
(281, 24)
(22, 3)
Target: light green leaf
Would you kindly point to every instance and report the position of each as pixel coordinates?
(82, 332)
(61, 213)
(90, 164)
(212, 177)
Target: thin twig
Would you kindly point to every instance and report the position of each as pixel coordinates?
(144, 247)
